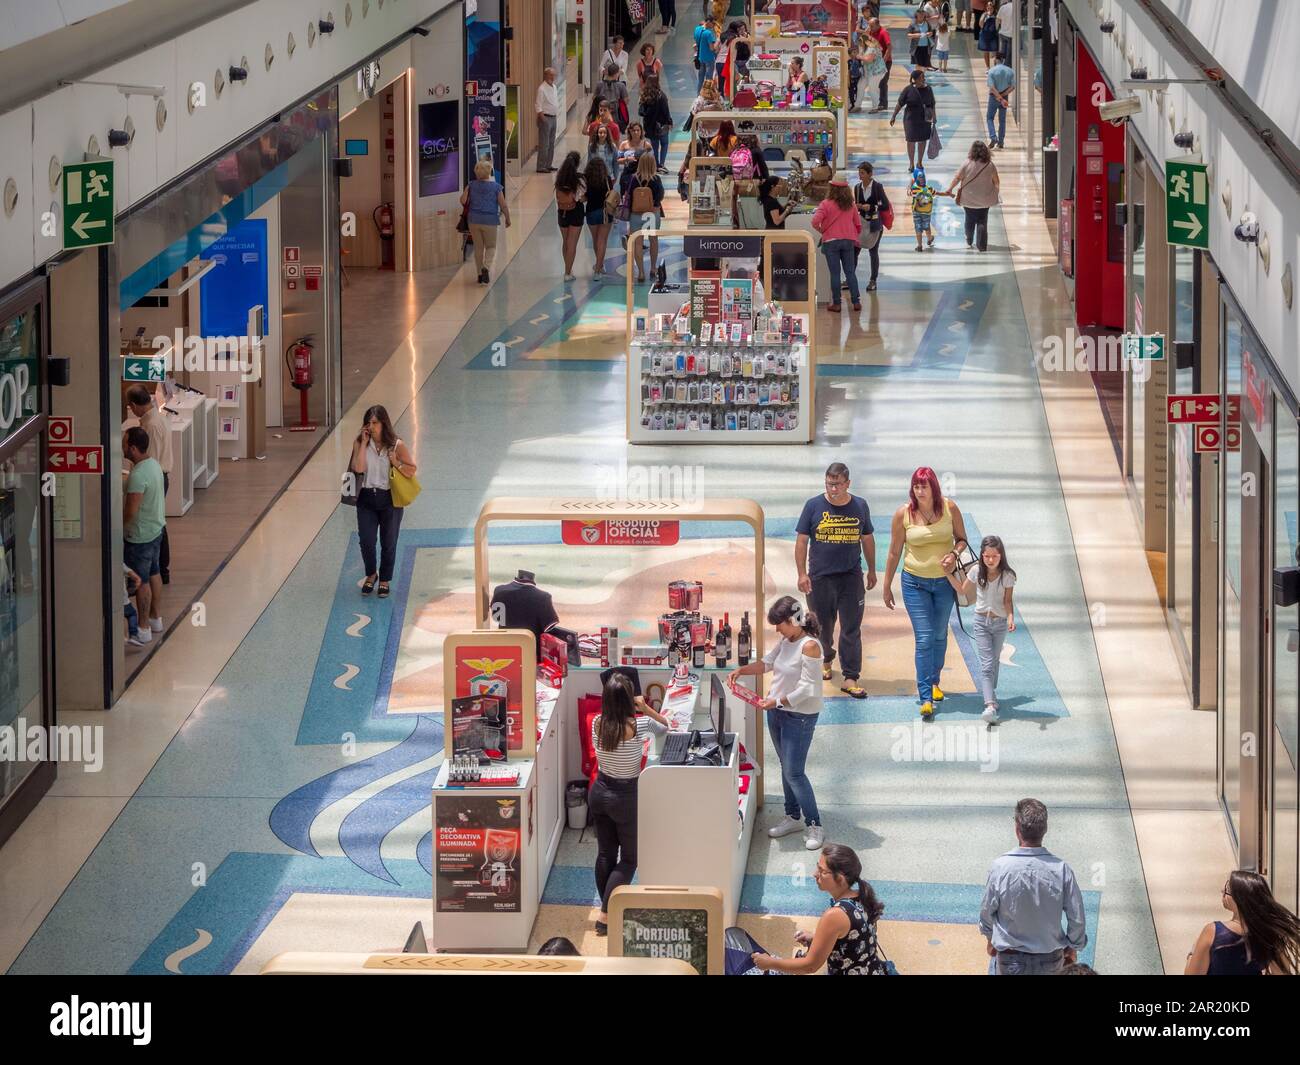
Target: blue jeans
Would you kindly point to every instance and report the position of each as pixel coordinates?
(660, 145)
(792, 736)
(839, 257)
(705, 72)
(929, 602)
(997, 109)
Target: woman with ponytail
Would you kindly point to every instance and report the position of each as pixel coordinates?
(792, 711)
(845, 938)
(1261, 938)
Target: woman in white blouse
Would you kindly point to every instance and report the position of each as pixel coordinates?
(375, 451)
(792, 710)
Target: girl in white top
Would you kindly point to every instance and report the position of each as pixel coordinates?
(792, 710)
(989, 586)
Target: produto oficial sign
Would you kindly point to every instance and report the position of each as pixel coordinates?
(629, 533)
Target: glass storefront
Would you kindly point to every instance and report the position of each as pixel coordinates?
(24, 660)
(1135, 182)
(1286, 669)
(1231, 692)
(1182, 517)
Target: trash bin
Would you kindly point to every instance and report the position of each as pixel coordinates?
(575, 803)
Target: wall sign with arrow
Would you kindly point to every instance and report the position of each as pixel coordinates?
(87, 204)
(1187, 204)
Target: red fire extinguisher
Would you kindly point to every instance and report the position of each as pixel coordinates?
(384, 221)
(297, 360)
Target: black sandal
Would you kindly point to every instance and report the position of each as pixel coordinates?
(369, 586)
(383, 589)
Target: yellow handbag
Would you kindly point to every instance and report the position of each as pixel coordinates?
(404, 489)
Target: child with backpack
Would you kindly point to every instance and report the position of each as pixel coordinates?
(856, 70)
(923, 194)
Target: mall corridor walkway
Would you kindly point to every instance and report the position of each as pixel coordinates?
(279, 797)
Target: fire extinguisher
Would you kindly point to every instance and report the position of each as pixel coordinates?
(297, 360)
(384, 221)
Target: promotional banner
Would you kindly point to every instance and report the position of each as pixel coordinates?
(667, 933)
(237, 283)
(737, 300)
(706, 302)
(789, 273)
(494, 671)
(485, 103)
(812, 16)
(476, 854)
(439, 149)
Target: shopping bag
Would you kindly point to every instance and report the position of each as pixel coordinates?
(351, 487)
(935, 146)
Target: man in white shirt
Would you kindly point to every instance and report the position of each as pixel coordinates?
(548, 108)
(1005, 14)
(616, 55)
(140, 403)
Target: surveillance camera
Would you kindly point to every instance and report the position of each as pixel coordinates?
(118, 138)
(1139, 74)
(1118, 110)
(1185, 139)
(238, 74)
(423, 31)
(325, 26)
(1247, 229)
(1108, 26)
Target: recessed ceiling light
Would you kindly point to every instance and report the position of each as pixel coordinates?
(56, 172)
(11, 197)
(160, 114)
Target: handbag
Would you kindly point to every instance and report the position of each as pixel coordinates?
(462, 224)
(612, 201)
(351, 486)
(404, 489)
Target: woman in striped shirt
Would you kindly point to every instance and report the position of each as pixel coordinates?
(618, 736)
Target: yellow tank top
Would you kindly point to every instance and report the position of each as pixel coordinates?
(926, 545)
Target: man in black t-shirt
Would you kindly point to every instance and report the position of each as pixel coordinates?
(522, 605)
(834, 533)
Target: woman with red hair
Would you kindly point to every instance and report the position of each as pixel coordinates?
(926, 534)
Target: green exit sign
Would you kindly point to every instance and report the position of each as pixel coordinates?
(135, 368)
(1187, 204)
(1140, 346)
(87, 204)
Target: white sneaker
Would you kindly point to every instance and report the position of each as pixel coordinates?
(990, 715)
(156, 624)
(788, 826)
(136, 641)
(570, 277)
(815, 838)
(141, 637)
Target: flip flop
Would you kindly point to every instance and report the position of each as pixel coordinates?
(855, 691)
(826, 672)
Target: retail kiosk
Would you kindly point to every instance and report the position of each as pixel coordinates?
(494, 845)
(719, 364)
(784, 134)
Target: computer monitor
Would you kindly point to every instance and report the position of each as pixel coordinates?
(718, 710)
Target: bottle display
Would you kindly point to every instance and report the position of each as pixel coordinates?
(722, 642)
(743, 641)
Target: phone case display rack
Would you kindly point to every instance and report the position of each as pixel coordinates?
(739, 382)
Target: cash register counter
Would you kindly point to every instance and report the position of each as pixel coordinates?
(694, 824)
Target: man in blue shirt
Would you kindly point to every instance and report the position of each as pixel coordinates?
(1029, 890)
(1002, 83)
(833, 535)
(706, 50)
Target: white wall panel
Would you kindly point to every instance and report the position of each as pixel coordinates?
(64, 120)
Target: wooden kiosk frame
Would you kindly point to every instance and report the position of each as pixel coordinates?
(807, 307)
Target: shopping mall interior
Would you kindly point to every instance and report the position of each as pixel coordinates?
(275, 275)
